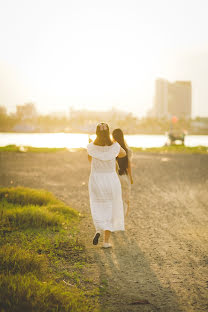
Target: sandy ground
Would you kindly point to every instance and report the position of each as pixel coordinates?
(162, 257)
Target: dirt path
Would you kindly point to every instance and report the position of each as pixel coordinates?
(162, 257)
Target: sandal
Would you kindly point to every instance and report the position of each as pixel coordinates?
(107, 245)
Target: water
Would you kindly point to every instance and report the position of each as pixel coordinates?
(77, 140)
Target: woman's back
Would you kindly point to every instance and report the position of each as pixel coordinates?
(104, 183)
(103, 157)
(100, 166)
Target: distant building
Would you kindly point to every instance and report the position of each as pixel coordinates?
(97, 115)
(27, 111)
(172, 99)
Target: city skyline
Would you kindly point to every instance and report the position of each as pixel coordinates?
(172, 99)
(97, 55)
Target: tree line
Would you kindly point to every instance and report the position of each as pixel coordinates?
(27, 119)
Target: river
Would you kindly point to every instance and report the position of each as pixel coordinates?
(78, 140)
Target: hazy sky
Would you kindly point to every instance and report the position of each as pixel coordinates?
(101, 54)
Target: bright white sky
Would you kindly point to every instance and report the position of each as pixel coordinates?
(97, 54)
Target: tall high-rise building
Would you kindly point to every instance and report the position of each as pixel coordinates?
(172, 99)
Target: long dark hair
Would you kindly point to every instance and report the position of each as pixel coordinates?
(103, 135)
(122, 162)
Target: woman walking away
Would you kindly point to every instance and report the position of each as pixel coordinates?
(124, 169)
(104, 186)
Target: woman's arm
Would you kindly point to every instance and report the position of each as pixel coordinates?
(122, 153)
(129, 171)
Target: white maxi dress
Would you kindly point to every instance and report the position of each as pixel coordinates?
(105, 188)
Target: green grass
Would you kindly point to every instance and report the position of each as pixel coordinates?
(165, 149)
(32, 216)
(26, 196)
(15, 259)
(30, 149)
(27, 293)
(174, 149)
(41, 260)
(15, 148)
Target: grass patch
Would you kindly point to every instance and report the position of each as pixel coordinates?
(24, 149)
(164, 149)
(41, 260)
(27, 293)
(26, 196)
(63, 210)
(14, 259)
(174, 149)
(31, 216)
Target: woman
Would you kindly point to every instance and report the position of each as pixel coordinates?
(124, 168)
(104, 185)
